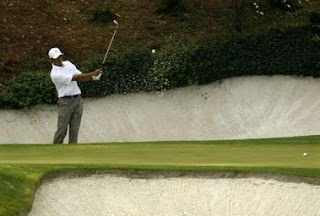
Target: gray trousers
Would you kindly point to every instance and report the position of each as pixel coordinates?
(69, 115)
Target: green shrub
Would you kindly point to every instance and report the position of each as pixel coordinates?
(286, 5)
(287, 51)
(125, 72)
(28, 89)
(171, 65)
(314, 18)
(2, 102)
(173, 7)
(102, 15)
(291, 51)
(91, 63)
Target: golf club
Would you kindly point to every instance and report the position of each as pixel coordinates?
(114, 33)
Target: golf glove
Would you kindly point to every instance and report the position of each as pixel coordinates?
(96, 78)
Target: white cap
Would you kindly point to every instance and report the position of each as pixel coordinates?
(54, 53)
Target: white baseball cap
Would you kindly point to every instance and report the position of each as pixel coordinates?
(54, 53)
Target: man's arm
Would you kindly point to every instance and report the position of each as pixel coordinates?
(86, 77)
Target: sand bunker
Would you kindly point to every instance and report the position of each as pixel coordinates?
(172, 196)
(245, 107)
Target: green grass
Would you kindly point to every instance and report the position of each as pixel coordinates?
(22, 167)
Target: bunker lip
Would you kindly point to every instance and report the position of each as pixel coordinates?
(160, 174)
(141, 175)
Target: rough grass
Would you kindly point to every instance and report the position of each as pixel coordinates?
(23, 167)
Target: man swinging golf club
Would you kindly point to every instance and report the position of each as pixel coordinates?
(65, 76)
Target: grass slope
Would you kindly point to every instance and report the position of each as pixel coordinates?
(22, 167)
(30, 28)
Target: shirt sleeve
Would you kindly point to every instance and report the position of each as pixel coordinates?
(63, 79)
(75, 69)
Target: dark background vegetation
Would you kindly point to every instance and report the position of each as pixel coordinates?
(196, 42)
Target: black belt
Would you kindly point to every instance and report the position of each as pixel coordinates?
(71, 96)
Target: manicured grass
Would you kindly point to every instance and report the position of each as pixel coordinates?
(166, 154)
(22, 167)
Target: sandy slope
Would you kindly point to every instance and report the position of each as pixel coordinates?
(114, 195)
(245, 107)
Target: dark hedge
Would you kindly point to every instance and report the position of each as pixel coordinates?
(291, 51)
(27, 90)
(314, 17)
(126, 72)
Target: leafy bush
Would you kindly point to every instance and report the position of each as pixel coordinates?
(286, 5)
(172, 64)
(291, 51)
(125, 72)
(28, 89)
(173, 7)
(288, 52)
(314, 18)
(90, 64)
(103, 14)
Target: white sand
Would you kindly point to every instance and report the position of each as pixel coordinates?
(244, 107)
(112, 195)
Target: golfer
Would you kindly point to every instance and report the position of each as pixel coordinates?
(65, 75)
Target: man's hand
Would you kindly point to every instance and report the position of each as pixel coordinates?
(94, 75)
(97, 74)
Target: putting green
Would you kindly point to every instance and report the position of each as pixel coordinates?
(23, 166)
(250, 153)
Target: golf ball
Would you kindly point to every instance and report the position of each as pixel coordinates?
(305, 154)
(153, 50)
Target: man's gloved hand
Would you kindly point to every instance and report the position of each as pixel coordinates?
(98, 76)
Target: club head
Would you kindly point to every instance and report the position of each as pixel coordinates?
(117, 24)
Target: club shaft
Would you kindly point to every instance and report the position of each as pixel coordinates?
(105, 56)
